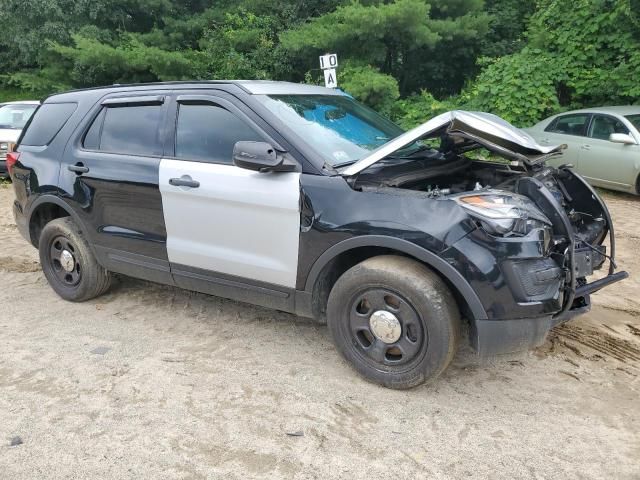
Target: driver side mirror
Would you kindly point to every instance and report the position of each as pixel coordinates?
(260, 157)
(623, 138)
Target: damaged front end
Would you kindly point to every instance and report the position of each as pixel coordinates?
(545, 226)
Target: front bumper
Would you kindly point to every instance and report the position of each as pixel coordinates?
(526, 285)
(497, 337)
(524, 297)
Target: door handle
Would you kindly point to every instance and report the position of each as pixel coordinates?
(544, 141)
(586, 147)
(78, 168)
(184, 181)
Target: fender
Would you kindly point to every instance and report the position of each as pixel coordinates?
(431, 259)
(49, 198)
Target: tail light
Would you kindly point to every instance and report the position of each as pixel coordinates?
(12, 159)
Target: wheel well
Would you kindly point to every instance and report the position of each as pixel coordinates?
(42, 215)
(345, 260)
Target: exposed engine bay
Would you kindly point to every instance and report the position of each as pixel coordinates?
(440, 176)
(514, 194)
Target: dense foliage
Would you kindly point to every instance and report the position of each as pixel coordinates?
(579, 53)
(411, 59)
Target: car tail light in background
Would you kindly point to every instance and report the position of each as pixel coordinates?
(12, 159)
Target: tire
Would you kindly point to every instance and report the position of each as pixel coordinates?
(415, 343)
(75, 275)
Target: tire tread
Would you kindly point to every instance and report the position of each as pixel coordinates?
(419, 281)
(96, 279)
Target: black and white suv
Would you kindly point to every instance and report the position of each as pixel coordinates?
(298, 198)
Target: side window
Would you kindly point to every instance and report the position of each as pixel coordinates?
(47, 122)
(603, 126)
(208, 133)
(569, 124)
(132, 129)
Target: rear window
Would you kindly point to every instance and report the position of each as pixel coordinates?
(47, 122)
(126, 129)
(569, 124)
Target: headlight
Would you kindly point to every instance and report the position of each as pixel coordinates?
(4, 146)
(503, 212)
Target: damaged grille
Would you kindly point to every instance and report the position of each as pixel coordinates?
(534, 279)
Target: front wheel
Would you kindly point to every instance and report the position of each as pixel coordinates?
(68, 263)
(394, 320)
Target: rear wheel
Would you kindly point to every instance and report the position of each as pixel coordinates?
(394, 320)
(68, 263)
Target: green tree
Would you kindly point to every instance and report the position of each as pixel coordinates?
(407, 58)
(420, 44)
(245, 45)
(416, 109)
(49, 45)
(367, 84)
(507, 26)
(580, 53)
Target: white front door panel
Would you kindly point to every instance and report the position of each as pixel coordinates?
(237, 222)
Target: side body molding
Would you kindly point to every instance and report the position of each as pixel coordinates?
(438, 264)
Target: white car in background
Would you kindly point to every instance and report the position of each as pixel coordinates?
(13, 117)
(603, 144)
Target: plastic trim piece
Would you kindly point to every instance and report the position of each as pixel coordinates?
(48, 198)
(141, 100)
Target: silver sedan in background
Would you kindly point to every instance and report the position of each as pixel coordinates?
(603, 144)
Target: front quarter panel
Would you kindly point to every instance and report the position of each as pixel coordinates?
(333, 212)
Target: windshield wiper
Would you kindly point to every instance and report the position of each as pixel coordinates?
(344, 164)
(409, 156)
(421, 148)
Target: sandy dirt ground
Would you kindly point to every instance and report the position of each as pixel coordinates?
(154, 382)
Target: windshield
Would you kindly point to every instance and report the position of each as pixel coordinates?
(635, 120)
(15, 116)
(337, 127)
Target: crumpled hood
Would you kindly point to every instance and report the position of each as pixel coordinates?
(9, 135)
(464, 131)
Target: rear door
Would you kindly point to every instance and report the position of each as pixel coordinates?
(110, 175)
(225, 225)
(606, 163)
(569, 129)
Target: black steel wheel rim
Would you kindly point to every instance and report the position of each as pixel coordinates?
(403, 353)
(60, 248)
